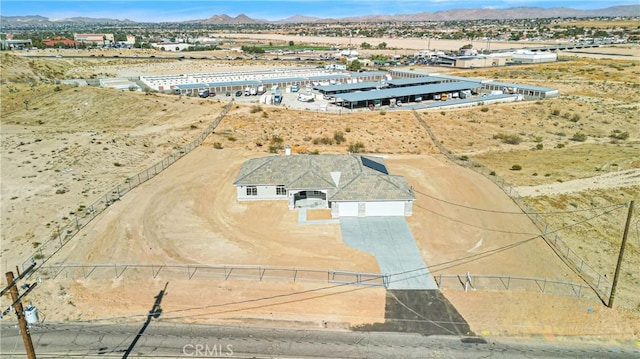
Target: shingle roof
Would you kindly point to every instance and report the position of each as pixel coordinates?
(357, 182)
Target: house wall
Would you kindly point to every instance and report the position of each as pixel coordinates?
(263, 193)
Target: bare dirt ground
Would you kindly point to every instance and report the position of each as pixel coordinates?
(180, 214)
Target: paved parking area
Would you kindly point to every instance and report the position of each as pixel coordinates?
(390, 240)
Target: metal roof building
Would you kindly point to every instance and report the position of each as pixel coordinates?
(192, 89)
(346, 88)
(404, 94)
(416, 81)
(525, 90)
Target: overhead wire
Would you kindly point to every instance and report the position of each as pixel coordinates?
(450, 263)
(469, 224)
(514, 212)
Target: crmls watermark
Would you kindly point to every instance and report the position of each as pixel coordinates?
(207, 350)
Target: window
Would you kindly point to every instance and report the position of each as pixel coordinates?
(252, 191)
(281, 191)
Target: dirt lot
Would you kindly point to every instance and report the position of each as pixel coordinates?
(66, 146)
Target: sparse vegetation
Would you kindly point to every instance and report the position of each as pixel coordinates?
(338, 136)
(579, 137)
(356, 147)
(512, 139)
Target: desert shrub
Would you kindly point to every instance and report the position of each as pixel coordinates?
(217, 145)
(555, 112)
(255, 109)
(492, 173)
(575, 118)
(509, 139)
(484, 109)
(273, 149)
(356, 147)
(326, 141)
(516, 168)
(560, 145)
(347, 130)
(619, 135)
(276, 139)
(339, 137)
(231, 138)
(539, 146)
(117, 164)
(383, 112)
(579, 137)
(464, 157)
(307, 139)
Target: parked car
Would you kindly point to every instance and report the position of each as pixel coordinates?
(238, 93)
(228, 93)
(212, 94)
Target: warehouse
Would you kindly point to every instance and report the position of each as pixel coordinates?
(401, 95)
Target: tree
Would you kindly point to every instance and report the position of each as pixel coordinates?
(365, 45)
(291, 43)
(382, 45)
(355, 65)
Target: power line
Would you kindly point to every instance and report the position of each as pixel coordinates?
(469, 224)
(450, 263)
(514, 212)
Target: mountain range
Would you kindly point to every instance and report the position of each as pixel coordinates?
(448, 15)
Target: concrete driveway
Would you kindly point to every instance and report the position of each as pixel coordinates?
(390, 240)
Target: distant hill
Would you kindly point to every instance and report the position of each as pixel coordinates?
(448, 15)
(35, 20)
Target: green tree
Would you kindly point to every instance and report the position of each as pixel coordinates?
(291, 43)
(355, 65)
(382, 45)
(365, 45)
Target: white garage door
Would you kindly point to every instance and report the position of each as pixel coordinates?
(347, 209)
(384, 209)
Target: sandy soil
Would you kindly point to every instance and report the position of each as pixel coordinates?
(610, 180)
(189, 213)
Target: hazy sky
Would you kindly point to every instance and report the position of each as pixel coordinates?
(180, 10)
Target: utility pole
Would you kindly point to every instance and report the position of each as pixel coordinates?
(624, 242)
(16, 298)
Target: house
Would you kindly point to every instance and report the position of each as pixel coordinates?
(350, 185)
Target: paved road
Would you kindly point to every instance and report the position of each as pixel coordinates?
(390, 240)
(169, 340)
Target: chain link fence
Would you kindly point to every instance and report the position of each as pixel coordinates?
(514, 283)
(210, 272)
(597, 281)
(62, 235)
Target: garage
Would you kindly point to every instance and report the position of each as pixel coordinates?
(384, 208)
(347, 209)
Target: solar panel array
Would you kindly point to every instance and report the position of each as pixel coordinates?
(374, 165)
